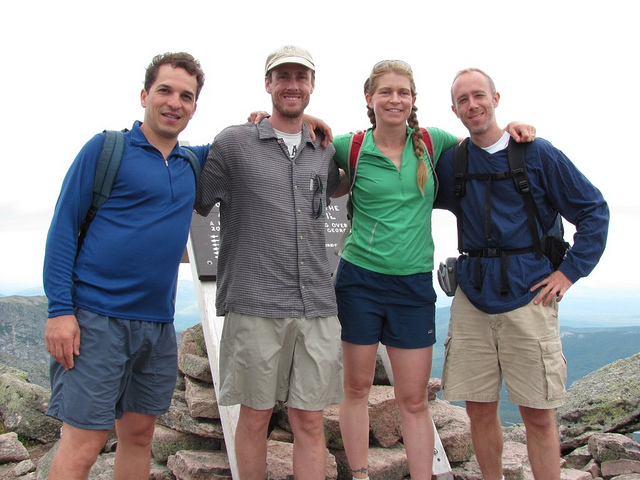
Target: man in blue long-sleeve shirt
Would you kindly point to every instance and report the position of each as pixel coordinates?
(512, 333)
(111, 302)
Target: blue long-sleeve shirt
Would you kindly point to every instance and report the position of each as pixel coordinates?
(558, 187)
(128, 264)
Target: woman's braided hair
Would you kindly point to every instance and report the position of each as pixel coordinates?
(401, 68)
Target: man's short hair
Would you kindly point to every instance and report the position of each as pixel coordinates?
(176, 60)
(492, 85)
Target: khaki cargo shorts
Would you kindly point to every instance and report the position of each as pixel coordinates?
(522, 347)
(294, 360)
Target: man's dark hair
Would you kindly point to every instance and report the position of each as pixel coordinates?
(176, 60)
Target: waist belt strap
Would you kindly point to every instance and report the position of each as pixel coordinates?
(490, 252)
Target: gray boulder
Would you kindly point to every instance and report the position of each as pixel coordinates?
(606, 447)
(280, 467)
(178, 418)
(167, 442)
(22, 407)
(201, 399)
(196, 465)
(607, 400)
(192, 355)
(101, 470)
(11, 449)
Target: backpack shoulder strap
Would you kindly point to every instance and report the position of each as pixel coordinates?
(426, 137)
(355, 145)
(460, 163)
(108, 166)
(427, 140)
(515, 154)
(194, 161)
(105, 176)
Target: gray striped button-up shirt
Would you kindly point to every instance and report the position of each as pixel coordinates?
(272, 260)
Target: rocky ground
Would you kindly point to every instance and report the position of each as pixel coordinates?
(7, 470)
(189, 438)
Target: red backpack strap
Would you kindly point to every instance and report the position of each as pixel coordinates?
(354, 154)
(427, 140)
(355, 145)
(429, 144)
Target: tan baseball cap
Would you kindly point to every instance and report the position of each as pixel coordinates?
(289, 54)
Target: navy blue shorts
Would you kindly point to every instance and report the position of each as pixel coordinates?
(396, 310)
(123, 366)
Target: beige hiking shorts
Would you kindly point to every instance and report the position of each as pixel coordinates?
(521, 346)
(294, 360)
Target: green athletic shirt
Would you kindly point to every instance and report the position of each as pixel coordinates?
(391, 229)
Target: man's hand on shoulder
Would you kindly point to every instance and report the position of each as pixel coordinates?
(314, 124)
(521, 132)
(257, 116)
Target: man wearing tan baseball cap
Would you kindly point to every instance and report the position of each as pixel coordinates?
(281, 337)
(289, 54)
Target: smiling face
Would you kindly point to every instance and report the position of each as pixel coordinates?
(290, 86)
(474, 103)
(392, 99)
(169, 104)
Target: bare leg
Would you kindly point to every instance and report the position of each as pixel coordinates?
(359, 368)
(411, 371)
(77, 452)
(543, 442)
(251, 443)
(133, 453)
(486, 434)
(309, 444)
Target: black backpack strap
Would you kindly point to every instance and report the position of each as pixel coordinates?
(105, 176)
(515, 153)
(194, 161)
(460, 163)
(517, 170)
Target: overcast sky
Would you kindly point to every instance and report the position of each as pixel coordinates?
(72, 69)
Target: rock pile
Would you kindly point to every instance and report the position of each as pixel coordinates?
(189, 442)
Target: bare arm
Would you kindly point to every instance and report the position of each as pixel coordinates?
(521, 132)
(313, 123)
(343, 188)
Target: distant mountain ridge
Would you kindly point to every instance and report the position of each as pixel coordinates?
(23, 318)
(582, 307)
(22, 322)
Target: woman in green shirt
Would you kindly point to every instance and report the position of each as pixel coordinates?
(384, 283)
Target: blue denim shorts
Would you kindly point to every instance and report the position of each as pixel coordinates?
(123, 366)
(396, 310)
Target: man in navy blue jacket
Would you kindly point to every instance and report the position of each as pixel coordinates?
(512, 333)
(111, 302)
